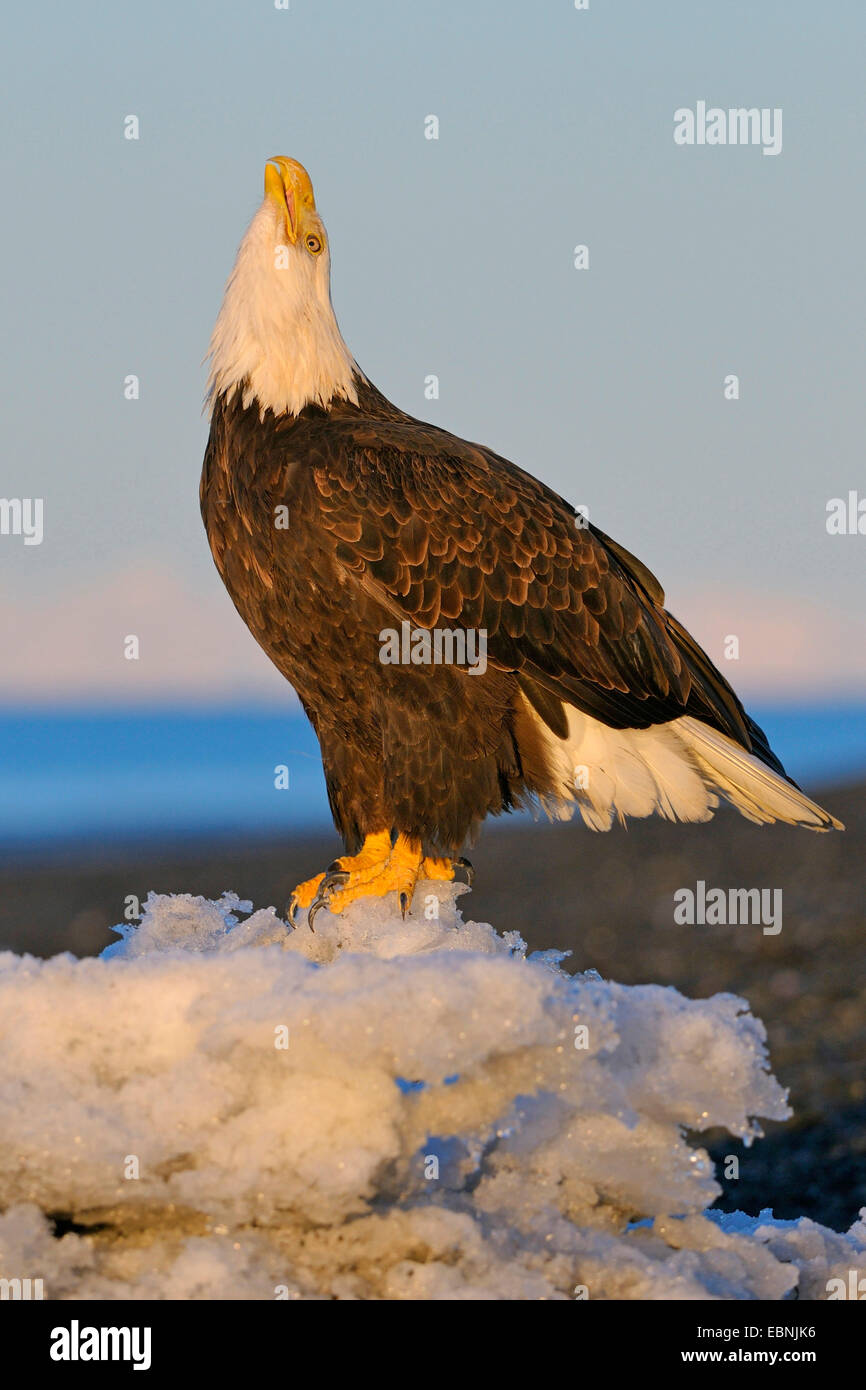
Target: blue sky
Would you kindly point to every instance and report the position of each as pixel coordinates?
(451, 257)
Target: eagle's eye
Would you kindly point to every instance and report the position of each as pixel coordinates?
(313, 244)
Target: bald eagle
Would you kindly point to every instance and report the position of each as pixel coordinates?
(359, 543)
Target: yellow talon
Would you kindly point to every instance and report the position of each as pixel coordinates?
(305, 892)
(377, 869)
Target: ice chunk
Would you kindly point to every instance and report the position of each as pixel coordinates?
(226, 1108)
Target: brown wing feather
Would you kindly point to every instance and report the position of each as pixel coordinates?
(447, 533)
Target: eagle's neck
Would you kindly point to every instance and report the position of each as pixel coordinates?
(276, 340)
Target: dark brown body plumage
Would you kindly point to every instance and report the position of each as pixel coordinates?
(390, 519)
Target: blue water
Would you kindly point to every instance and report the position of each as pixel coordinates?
(75, 776)
(156, 773)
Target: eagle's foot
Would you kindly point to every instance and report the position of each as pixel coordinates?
(378, 869)
(314, 893)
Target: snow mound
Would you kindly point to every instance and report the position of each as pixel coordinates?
(223, 1108)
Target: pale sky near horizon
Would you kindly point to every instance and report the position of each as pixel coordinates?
(451, 257)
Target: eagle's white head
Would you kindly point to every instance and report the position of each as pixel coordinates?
(276, 339)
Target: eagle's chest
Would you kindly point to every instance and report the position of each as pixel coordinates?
(270, 553)
(280, 569)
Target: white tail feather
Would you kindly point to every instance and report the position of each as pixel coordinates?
(756, 790)
(677, 770)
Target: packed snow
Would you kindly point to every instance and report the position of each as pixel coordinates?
(221, 1107)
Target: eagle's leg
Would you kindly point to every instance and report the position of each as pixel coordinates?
(378, 869)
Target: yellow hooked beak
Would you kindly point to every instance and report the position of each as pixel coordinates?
(288, 184)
